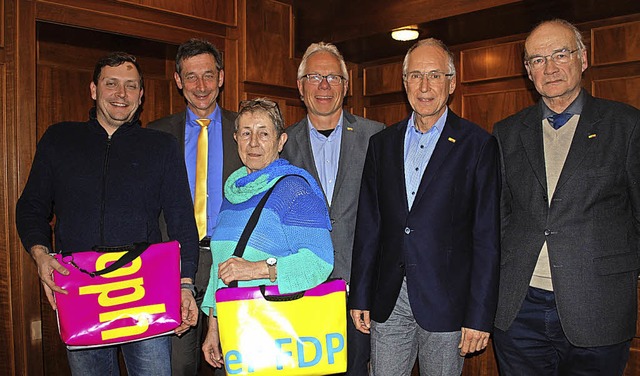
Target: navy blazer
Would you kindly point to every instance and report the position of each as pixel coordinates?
(447, 245)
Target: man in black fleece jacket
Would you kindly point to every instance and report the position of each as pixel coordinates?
(107, 180)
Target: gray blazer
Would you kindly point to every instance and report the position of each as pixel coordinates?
(175, 125)
(344, 204)
(592, 226)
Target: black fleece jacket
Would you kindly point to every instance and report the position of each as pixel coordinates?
(107, 191)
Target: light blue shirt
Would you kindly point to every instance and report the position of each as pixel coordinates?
(418, 148)
(326, 154)
(214, 171)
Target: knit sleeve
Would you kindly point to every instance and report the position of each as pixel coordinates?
(34, 208)
(306, 228)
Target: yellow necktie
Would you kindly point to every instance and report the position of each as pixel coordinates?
(200, 200)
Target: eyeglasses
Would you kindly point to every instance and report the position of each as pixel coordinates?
(433, 77)
(316, 79)
(562, 56)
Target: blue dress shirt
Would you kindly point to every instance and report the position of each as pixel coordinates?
(326, 154)
(418, 148)
(214, 172)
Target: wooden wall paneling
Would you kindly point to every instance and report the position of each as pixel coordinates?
(6, 342)
(623, 89)
(292, 110)
(56, 103)
(231, 94)
(488, 108)
(633, 366)
(20, 125)
(615, 43)
(295, 113)
(223, 11)
(492, 62)
(383, 79)
(268, 32)
(354, 97)
(481, 364)
(2, 24)
(384, 15)
(128, 19)
(157, 99)
(389, 113)
(54, 351)
(176, 100)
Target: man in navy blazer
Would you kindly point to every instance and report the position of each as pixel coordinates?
(424, 278)
(570, 220)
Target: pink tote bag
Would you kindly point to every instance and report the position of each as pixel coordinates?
(119, 294)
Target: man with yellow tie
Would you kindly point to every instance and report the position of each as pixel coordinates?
(205, 132)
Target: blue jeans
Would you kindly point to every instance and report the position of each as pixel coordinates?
(146, 357)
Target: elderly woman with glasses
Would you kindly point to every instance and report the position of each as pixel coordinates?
(290, 246)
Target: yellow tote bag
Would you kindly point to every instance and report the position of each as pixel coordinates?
(265, 333)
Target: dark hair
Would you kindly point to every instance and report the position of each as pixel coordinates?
(194, 47)
(115, 59)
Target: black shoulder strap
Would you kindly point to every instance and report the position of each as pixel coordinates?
(251, 224)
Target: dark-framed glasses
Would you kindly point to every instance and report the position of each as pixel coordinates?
(316, 79)
(562, 56)
(433, 77)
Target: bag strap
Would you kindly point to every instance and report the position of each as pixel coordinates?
(132, 251)
(251, 225)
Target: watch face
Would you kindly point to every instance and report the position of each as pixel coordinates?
(271, 261)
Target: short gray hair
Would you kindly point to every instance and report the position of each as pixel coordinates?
(322, 47)
(262, 105)
(558, 21)
(430, 42)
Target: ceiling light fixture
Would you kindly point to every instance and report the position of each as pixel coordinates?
(405, 33)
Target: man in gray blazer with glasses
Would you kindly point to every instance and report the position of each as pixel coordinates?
(331, 144)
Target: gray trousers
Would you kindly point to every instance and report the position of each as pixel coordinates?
(397, 342)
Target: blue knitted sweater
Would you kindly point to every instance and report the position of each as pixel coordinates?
(293, 227)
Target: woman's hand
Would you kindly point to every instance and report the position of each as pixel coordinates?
(211, 344)
(239, 269)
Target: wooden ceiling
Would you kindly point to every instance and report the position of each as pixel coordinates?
(361, 28)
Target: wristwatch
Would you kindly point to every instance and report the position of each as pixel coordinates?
(271, 264)
(190, 287)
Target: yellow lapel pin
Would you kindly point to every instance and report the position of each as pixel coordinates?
(593, 135)
(451, 139)
(349, 128)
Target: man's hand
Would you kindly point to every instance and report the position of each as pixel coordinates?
(472, 340)
(361, 320)
(46, 265)
(188, 312)
(211, 344)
